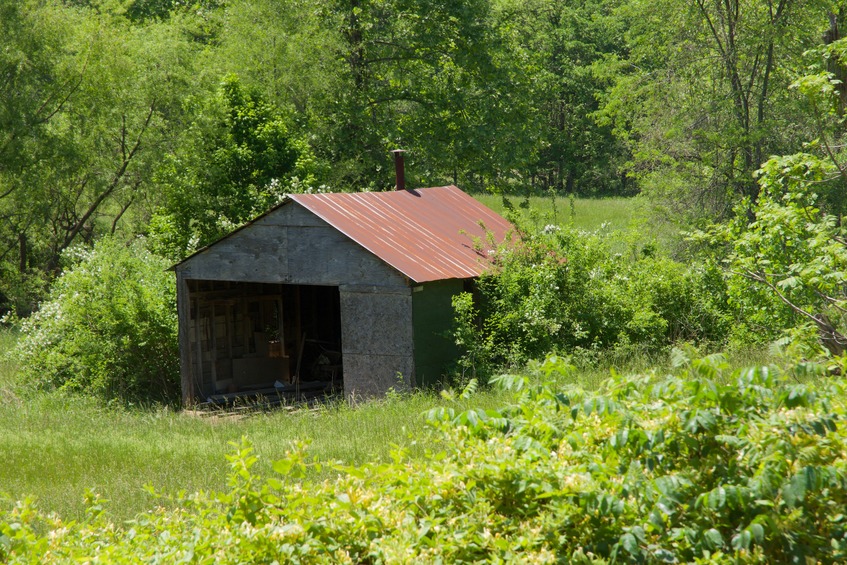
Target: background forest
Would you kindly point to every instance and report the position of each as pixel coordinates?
(176, 121)
(181, 119)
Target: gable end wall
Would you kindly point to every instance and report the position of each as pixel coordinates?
(290, 246)
(293, 246)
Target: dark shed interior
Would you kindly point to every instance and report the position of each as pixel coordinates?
(273, 340)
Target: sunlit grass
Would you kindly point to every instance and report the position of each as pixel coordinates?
(56, 446)
(7, 365)
(628, 222)
(582, 213)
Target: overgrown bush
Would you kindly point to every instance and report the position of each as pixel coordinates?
(786, 259)
(702, 467)
(564, 290)
(108, 327)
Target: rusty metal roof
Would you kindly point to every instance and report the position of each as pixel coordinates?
(427, 234)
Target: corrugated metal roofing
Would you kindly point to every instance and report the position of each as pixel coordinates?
(427, 234)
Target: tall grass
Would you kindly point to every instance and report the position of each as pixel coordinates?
(8, 368)
(629, 221)
(582, 213)
(57, 446)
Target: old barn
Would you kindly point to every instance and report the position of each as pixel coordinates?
(330, 293)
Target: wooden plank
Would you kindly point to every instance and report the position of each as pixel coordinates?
(259, 371)
(219, 295)
(281, 326)
(298, 323)
(214, 345)
(183, 306)
(228, 323)
(376, 324)
(198, 344)
(368, 376)
(432, 318)
(325, 256)
(375, 289)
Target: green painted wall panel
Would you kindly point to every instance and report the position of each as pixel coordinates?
(432, 318)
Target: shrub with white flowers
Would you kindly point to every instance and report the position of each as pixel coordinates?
(108, 327)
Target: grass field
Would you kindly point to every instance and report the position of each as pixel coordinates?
(55, 446)
(583, 213)
(628, 221)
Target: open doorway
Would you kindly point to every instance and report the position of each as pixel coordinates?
(280, 342)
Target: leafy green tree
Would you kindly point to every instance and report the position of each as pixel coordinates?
(237, 161)
(101, 115)
(140, 11)
(282, 49)
(483, 93)
(788, 253)
(440, 79)
(701, 95)
(788, 266)
(33, 90)
(565, 41)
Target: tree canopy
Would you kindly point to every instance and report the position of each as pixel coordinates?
(181, 119)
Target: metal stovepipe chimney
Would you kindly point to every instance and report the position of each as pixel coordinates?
(399, 169)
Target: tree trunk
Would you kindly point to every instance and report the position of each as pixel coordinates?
(23, 252)
(834, 341)
(834, 64)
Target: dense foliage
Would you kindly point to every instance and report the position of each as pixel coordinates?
(786, 268)
(701, 466)
(238, 161)
(108, 327)
(564, 289)
(701, 96)
(786, 250)
(112, 113)
(90, 103)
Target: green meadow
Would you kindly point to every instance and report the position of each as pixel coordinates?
(56, 447)
(614, 213)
